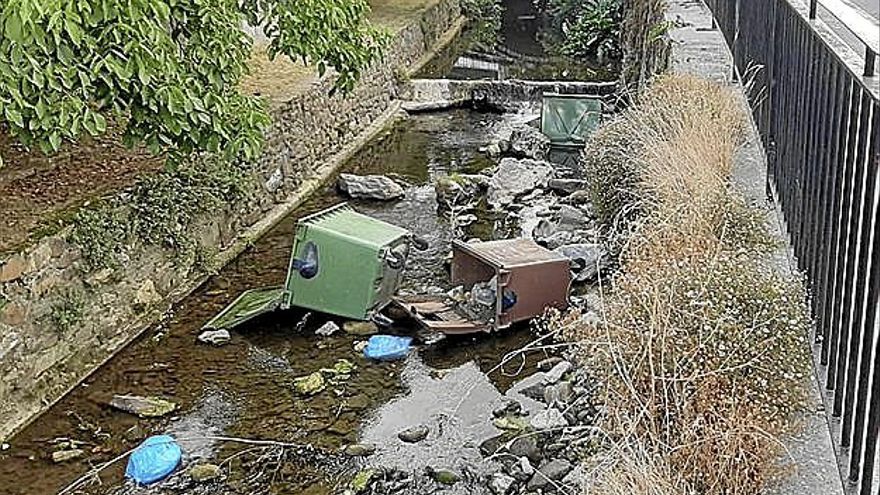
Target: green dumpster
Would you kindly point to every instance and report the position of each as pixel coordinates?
(568, 119)
(343, 263)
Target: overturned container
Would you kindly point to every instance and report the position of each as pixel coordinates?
(513, 280)
(343, 263)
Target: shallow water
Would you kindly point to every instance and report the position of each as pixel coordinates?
(245, 389)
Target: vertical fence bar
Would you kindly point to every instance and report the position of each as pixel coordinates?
(873, 300)
(855, 321)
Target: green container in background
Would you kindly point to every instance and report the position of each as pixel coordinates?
(343, 263)
(567, 119)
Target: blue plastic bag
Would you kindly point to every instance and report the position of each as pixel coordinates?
(387, 347)
(153, 460)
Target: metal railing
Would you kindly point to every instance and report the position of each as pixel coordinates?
(816, 109)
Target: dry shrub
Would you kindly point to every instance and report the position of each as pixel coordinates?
(701, 345)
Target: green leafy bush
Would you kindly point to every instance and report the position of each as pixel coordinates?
(587, 28)
(68, 311)
(167, 70)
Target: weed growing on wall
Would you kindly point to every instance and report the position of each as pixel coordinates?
(68, 311)
(160, 209)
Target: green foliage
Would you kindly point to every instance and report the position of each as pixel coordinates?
(165, 204)
(159, 210)
(485, 18)
(587, 28)
(68, 311)
(169, 69)
(101, 233)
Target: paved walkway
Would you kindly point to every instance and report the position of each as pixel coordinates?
(702, 51)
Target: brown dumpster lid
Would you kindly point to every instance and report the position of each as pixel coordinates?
(509, 253)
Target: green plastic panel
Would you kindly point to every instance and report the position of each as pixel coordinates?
(247, 306)
(569, 119)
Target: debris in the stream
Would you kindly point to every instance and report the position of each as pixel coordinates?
(310, 384)
(369, 187)
(153, 460)
(214, 337)
(359, 449)
(360, 328)
(362, 479)
(587, 260)
(387, 347)
(60, 456)
(413, 434)
(340, 372)
(511, 423)
(204, 472)
(144, 407)
(444, 476)
(327, 329)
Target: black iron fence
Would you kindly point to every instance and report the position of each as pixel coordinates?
(816, 109)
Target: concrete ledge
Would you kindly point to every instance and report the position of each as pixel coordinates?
(439, 94)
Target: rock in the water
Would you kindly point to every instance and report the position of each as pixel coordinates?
(529, 142)
(510, 423)
(490, 446)
(60, 456)
(459, 189)
(327, 329)
(549, 363)
(145, 407)
(362, 479)
(369, 187)
(566, 186)
(516, 177)
(444, 476)
(361, 328)
(522, 469)
(554, 470)
(561, 392)
(214, 337)
(359, 450)
(510, 407)
(501, 484)
(310, 384)
(548, 419)
(526, 446)
(555, 374)
(204, 472)
(587, 260)
(414, 434)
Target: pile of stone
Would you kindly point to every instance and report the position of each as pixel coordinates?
(541, 452)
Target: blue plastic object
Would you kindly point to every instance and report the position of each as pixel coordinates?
(153, 460)
(387, 347)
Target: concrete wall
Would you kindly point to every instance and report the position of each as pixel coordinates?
(311, 133)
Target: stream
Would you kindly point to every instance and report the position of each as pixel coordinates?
(245, 388)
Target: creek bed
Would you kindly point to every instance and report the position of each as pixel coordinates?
(245, 388)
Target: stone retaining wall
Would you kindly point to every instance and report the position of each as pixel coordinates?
(59, 321)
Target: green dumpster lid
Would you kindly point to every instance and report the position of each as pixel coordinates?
(569, 119)
(344, 221)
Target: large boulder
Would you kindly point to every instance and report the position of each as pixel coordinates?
(515, 177)
(369, 187)
(529, 142)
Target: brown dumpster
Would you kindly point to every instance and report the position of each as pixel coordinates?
(506, 281)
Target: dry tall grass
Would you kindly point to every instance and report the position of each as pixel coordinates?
(701, 344)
